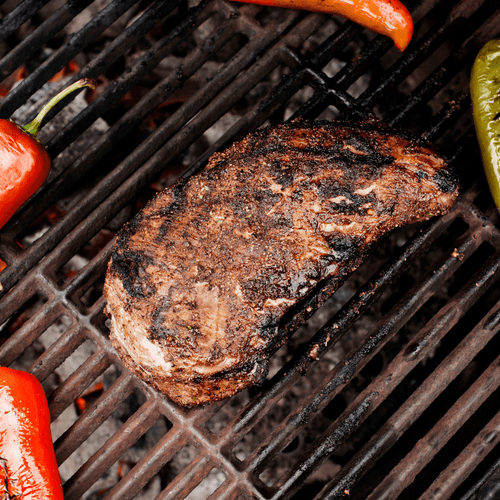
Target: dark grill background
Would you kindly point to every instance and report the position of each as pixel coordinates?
(391, 390)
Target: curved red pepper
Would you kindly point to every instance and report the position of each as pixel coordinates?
(28, 467)
(24, 162)
(386, 17)
(24, 166)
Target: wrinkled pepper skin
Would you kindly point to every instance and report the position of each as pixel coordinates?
(24, 166)
(386, 17)
(485, 95)
(28, 467)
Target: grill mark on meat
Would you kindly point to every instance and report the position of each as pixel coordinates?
(130, 265)
(446, 181)
(214, 274)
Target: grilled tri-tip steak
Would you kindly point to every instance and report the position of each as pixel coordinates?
(201, 280)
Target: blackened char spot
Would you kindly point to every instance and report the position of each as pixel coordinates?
(269, 282)
(131, 267)
(446, 181)
(260, 365)
(360, 143)
(157, 330)
(282, 221)
(331, 189)
(266, 199)
(349, 159)
(168, 213)
(347, 202)
(261, 370)
(160, 333)
(344, 247)
(216, 353)
(262, 287)
(267, 328)
(284, 177)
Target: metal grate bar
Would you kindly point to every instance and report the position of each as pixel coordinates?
(123, 84)
(74, 386)
(11, 22)
(256, 117)
(193, 474)
(111, 451)
(267, 46)
(354, 69)
(389, 326)
(401, 476)
(445, 72)
(237, 493)
(61, 57)
(22, 52)
(93, 417)
(397, 370)
(61, 349)
(346, 76)
(451, 113)
(405, 361)
(95, 198)
(11, 306)
(148, 466)
(454, 475)
(121, 129)
(408, 62)
(84, 279)
(30, 331)
(334, 44)
(487, 487)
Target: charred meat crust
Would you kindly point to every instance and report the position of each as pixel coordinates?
(210, 278)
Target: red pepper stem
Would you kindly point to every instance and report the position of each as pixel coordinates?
(33, 126)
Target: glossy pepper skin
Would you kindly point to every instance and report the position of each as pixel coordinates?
(28, 467)
(24, 162)
(485, 95)
(24, 166)
(386, 17)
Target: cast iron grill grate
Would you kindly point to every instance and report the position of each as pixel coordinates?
(391, 390)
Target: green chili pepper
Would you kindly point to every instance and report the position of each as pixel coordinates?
(485, 95)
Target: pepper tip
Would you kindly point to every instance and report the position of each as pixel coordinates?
(402, 38)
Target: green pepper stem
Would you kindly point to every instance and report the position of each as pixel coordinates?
(33, 126)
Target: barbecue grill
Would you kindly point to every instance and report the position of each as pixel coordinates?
(390, 390)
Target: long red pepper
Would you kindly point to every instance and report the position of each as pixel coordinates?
(386, 17)
(28, 467)
(24, 162)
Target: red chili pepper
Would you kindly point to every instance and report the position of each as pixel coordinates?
(28, 467)
(24, 162)
(386, 17)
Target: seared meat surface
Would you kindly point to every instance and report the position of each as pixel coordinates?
(202, 283)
